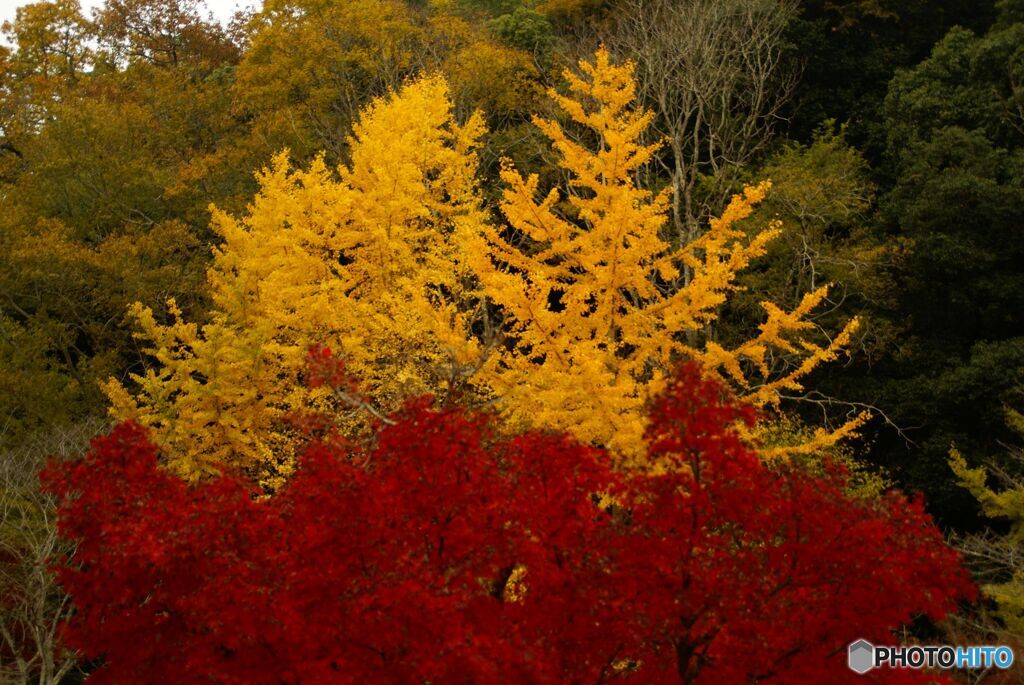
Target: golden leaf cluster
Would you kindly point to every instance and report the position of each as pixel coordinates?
(567, 315)
(600, 305)
(364, 260)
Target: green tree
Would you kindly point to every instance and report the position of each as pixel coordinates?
(850, 49)
(823, 195)
(526, 29)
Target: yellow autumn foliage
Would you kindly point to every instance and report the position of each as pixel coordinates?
(364, 261)
(599, 305)
(1004, 502)
(392, 262)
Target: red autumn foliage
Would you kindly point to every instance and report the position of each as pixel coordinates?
(324, 368)
(398, 564)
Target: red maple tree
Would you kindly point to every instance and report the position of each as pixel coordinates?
(447, 552)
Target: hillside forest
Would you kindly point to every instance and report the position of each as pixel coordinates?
(510, 341)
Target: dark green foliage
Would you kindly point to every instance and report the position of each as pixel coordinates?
(526, 29)
(955, 141)
(822, 194)
(851, 48)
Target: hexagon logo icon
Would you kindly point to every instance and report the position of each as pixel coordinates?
(861, 656)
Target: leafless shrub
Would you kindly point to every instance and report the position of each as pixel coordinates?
(32, 606)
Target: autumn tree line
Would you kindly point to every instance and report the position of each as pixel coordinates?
(515, 301)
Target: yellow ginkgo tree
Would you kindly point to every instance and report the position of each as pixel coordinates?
(567, 316)
(364, 261)
(599, 305)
